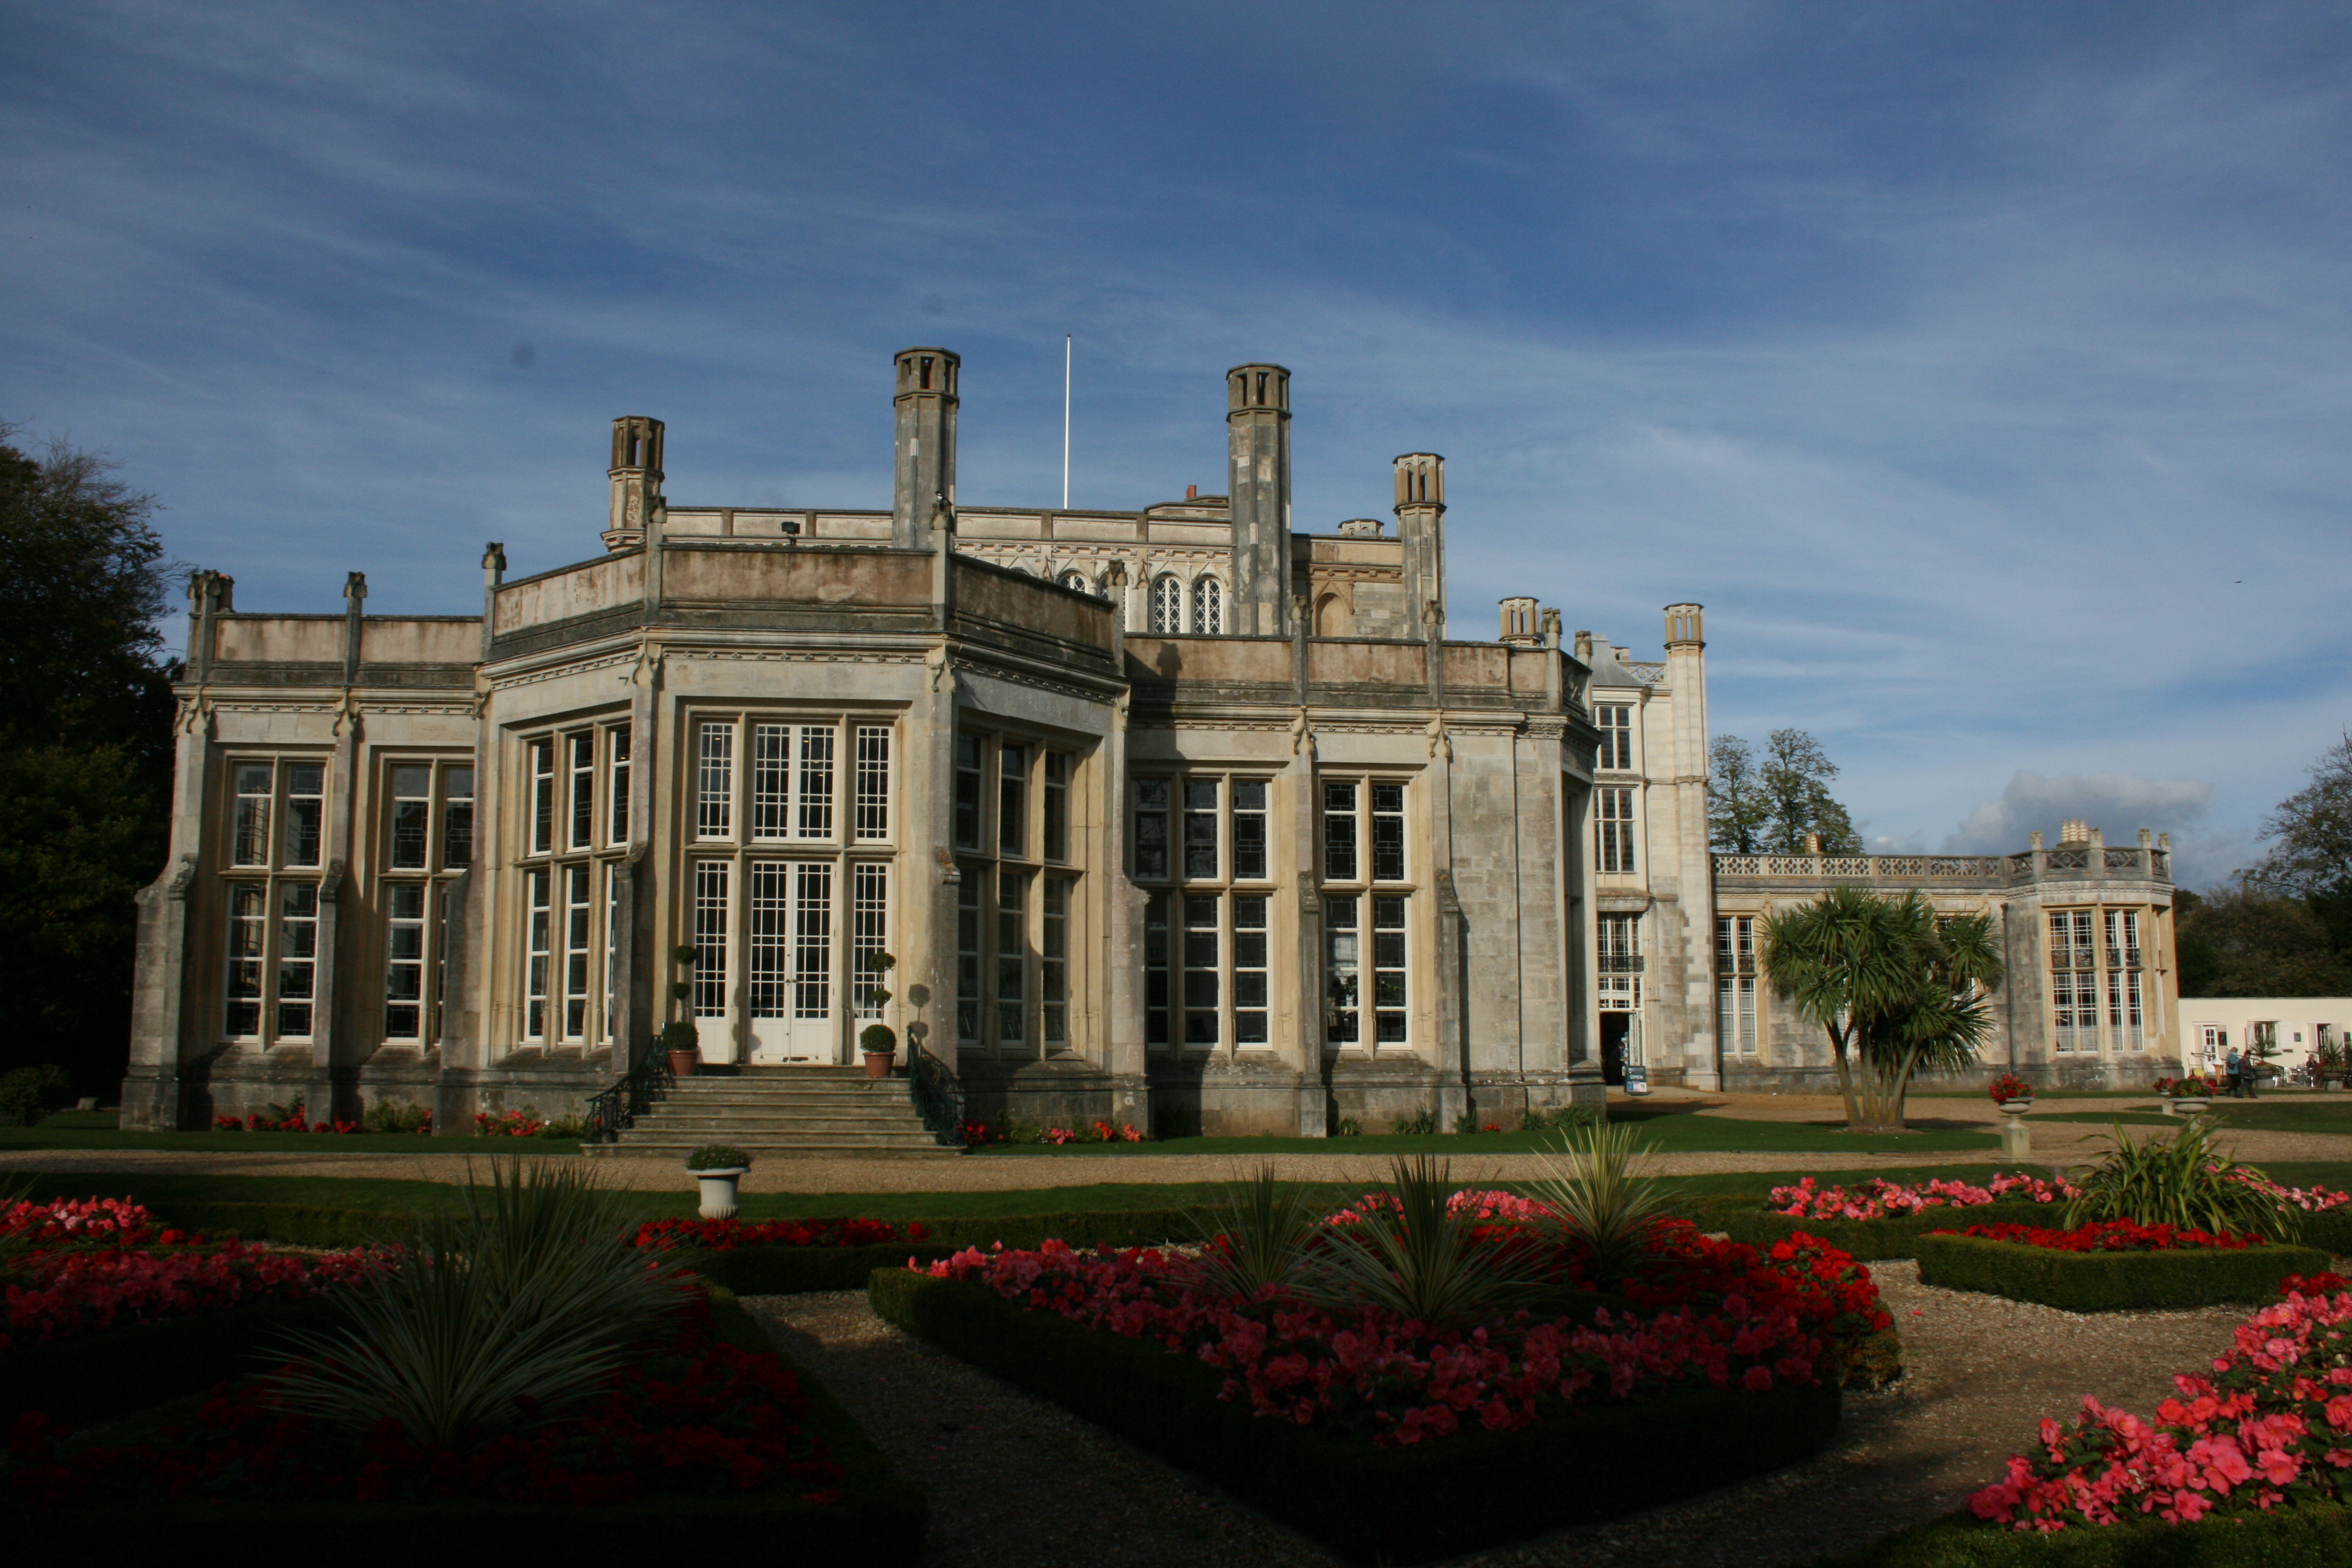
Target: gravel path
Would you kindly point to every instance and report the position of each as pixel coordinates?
(1013, 1480)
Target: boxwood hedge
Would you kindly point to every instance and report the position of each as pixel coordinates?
(2111, 1281)
(1433, 1499)
(2311, 1535)
(879, 1522)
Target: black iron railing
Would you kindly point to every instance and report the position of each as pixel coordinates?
(939, 1096)
(639, 1091)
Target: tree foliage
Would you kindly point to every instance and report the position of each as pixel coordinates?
(1766, 806)
(1897, 989)
(2249, 940)
(85, 750)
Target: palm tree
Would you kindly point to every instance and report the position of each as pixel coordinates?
(1897, 989)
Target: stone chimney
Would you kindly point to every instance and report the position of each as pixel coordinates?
(1258, 456)
(637, 476)
(923, 466)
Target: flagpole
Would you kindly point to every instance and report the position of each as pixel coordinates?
(1066, 421)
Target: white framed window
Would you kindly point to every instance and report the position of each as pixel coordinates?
(1167, 606)
(1208, 607)
(427, 829)
(714, 774)
(616, 785)
(580, 781)
(1366, 934)
(277, 813)
(1021, 904)
(2213, 1040)
(1612, 814)
(791, 783)
(1735, 984)
(873, 799)
(542, 795)
(1616, 722)
(1620, 949)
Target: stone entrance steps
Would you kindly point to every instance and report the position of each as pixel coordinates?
(818, 1111)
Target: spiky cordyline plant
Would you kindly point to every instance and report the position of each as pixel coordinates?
(513, 1301)
(1897, 988)
(2181, 1181)
(1418, 1260)
(1601, 1197)
(1254, 1234)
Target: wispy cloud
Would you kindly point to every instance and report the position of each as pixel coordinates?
(1985, 373)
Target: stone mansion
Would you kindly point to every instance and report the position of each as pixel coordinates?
(1178, 817)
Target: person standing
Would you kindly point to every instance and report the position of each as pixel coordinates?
(2231, 1072)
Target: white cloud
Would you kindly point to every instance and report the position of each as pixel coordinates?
(2118, 805)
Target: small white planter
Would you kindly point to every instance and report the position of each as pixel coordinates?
(2186, 1107)
(2016, 1107)
(719, 1190)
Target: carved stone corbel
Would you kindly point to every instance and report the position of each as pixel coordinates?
(1441, 741)
(948, 871)
(184, 877)
(943, 667)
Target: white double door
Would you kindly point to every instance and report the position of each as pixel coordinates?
(793, 987)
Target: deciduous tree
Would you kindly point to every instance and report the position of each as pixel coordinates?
(85, 751)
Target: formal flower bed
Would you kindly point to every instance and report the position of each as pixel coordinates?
(722, 1234)
(2269, 1426)
(63, 1222)
(1881, 1199)
(1018, 1130)
(282, 1118)
(691, 1417)
(1703, 1314)
(2109, 1235)
(57, 1294)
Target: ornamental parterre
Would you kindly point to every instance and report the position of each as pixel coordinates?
(1880, 1198)
(92, 1264)
(722, 1234)
(2270, 1426)
(1701, 1314)
(2110, 1236)
(691, 1417)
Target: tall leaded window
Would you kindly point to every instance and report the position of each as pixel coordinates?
(1167, 606)
(1616, 722)
(788, 879)
(1619, 950)
(1207, 947)
(1019, 909)
(577, 793)
(1612, 816)
(1208, 607)
(616, 785)
(1366, 932)
(427, 829)
(872, 803)
(1735, 984)
(275, 836)
(2074, 981)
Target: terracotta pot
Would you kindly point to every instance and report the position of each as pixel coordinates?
(683, 1063)
(877, 1063)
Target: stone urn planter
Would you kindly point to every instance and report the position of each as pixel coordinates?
(2016, 1137)
(716, 1168)
(2186, 1107)
(2017, 1107)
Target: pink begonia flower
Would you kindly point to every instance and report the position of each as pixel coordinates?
(1758, 1379)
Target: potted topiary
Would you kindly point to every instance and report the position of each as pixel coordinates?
(717, 1168)
(879, 1046)
(685, 1054)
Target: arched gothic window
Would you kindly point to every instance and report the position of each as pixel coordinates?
(1167, 605)
(1078, 580)
(1208, 607)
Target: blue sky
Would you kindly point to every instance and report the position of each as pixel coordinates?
(1983, 369)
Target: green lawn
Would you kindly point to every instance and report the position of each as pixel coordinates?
(1669, 1128)
(96, 1130)
(2331, 1113)
(160, 1189)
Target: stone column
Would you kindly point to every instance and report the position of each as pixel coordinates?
(1686, 675)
